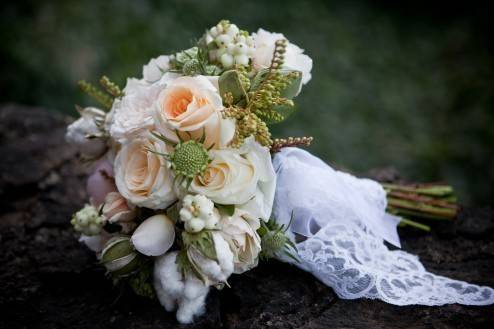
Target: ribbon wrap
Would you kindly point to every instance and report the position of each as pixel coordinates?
(340, 225)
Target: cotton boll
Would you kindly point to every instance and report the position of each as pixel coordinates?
(168, 281)
(173, 291)
(223, 254)
(215, 271)
(193, 301)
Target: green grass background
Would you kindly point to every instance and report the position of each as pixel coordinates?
(394, 84)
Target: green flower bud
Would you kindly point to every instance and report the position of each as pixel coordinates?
(119, 256)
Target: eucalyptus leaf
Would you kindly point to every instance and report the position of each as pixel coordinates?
(289, 92)
(186, 55)
(228, 209)
(293, 88)
(229, 82)
(258, 79)
(173, 212)
(284, 110)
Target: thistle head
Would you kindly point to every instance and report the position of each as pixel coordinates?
(273, 242)
(189, 159)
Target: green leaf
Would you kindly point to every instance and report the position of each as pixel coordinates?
(228, 209)
(173, 212)
(182, 262)
(186, 55)
(258, 79)
(202, 241)
(229, 82)
(289, 92)
(284, 110)
(293, 88)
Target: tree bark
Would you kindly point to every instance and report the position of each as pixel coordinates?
(50, 280)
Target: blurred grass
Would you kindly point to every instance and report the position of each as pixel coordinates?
(410, 87)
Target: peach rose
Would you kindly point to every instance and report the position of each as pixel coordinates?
(191, 106)
(117, 210)
(143, 177)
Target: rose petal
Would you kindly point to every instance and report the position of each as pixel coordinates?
(154, 236)
(100, 183)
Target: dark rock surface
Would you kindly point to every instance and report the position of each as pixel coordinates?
(49, 280)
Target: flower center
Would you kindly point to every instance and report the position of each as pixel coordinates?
(189, 159)
(177, 102)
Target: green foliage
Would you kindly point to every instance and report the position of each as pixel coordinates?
(142, 281)
(194, 61)
(230, 83)
(272, 91)
(228, 209)
(201, 241)
(183, 263)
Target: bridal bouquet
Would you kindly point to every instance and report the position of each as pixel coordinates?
(185, 191)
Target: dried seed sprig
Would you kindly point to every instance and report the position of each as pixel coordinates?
(110, 87)
(280, 143)
(104, 99)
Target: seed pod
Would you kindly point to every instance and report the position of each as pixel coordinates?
(119, 256)
(272, 243)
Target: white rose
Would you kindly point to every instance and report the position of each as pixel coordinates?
(295, 58)
(80, 131)
(155, 69)
(142, 177)
(131, 115)
(240, 231)
(192, 106)
(243, 177)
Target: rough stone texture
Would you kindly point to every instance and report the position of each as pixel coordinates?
(49, 280)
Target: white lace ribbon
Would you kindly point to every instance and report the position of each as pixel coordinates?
(343, 223)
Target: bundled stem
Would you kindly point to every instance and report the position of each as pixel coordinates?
(426, 201)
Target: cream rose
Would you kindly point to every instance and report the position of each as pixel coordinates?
(191, 106)
(142, 177)
(84, 131)
(243, 177)
(240, 231)
(131, 115)
(295, 58)
(154, 70)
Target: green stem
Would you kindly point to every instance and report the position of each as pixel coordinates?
(433, 190)
(405, 222)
